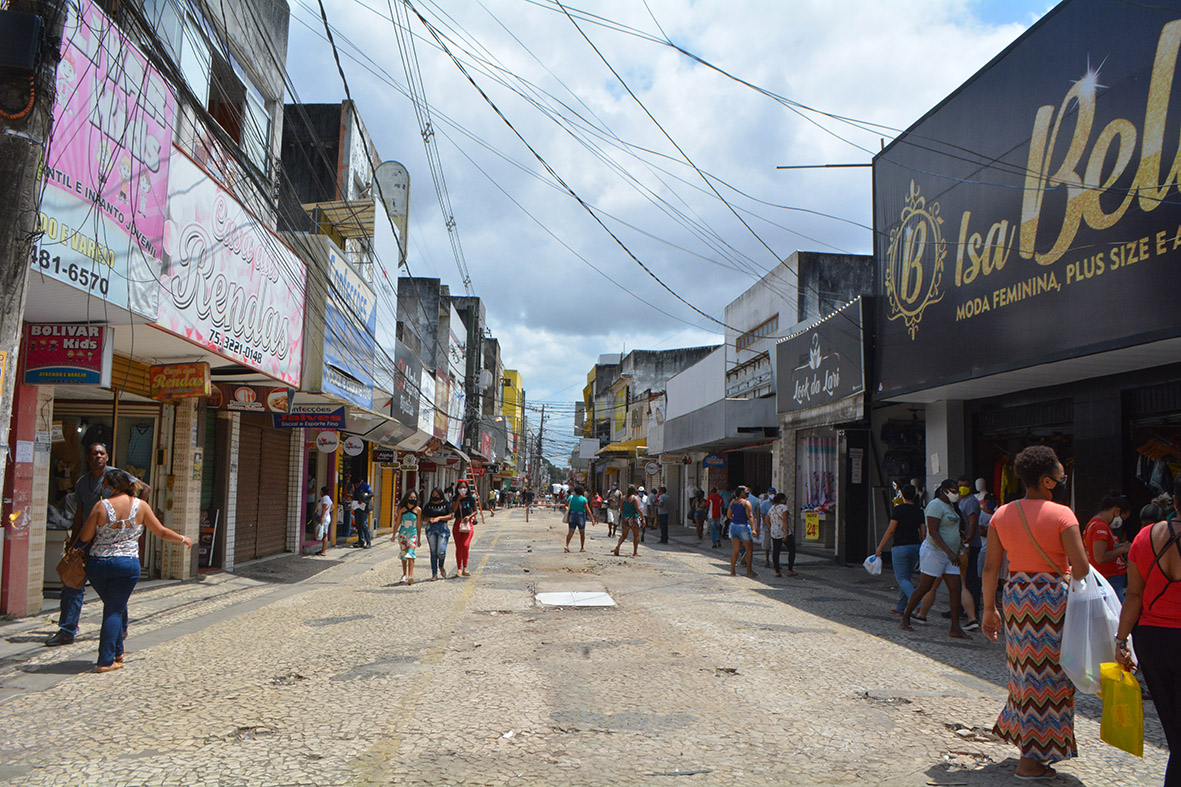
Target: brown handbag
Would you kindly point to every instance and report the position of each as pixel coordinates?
(72, 567)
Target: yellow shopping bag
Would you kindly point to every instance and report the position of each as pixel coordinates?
(1123, 709)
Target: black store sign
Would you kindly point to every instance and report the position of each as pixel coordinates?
(407, 379)
(823, 364)
(1035, 214)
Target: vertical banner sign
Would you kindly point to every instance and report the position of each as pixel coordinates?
(426, 402)
(405, 402)
(349, 335)
(107, 166)
(442, 402)
(393, 183)
(230, 284)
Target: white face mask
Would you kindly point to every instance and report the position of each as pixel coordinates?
(953, 497)
(1117, 522)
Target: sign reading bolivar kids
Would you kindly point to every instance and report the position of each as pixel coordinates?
(1035, 214)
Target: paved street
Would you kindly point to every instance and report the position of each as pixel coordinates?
(322, 671)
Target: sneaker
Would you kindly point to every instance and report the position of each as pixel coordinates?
(917, 619)
(972, 625)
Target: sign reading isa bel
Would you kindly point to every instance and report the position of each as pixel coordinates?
(67, 354)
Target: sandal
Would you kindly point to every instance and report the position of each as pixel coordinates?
(1046, 773)
(109, 667)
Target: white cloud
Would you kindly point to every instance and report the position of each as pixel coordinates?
(884, 62)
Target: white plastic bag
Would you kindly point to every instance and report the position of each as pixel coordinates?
(873, 565)
(1088, 632)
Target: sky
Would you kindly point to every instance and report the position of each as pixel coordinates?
(591, 158)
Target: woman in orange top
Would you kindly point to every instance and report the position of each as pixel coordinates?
(1042, 540)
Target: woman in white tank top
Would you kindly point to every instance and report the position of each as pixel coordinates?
(113, 529)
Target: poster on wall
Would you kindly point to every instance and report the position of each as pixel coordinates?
(426, 402)
(68, 354)
(1050, 193)
(106, 168)
(405, 402)
(442, 403)
(230, 285)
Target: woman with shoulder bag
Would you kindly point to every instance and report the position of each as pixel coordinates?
(113, 530)
(464, 509)
(1042, 540)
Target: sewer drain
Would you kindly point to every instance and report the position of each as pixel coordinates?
(575, 598)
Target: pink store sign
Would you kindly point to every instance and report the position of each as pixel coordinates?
(229, 284)
(106, 166)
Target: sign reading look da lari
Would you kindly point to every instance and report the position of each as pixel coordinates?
(1012, 219)
(179, 381)
(68, 354)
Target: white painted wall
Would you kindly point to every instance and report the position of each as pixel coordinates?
(944, 442)
(775, 293)
(701, 384)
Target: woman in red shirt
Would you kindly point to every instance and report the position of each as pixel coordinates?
(1152, 614)
(1106, 553)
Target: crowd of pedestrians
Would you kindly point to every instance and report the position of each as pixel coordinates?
(1030, 549)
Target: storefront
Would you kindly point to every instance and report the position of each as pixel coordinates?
(824, 433)
(1017, 310)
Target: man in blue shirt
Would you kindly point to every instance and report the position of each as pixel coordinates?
(362, 505)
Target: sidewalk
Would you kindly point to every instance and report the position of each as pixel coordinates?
(160, 610)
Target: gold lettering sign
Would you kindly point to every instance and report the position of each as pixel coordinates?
(179, 381)
(915, 260)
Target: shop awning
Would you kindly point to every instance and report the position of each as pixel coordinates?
(624, 448)
(351, 218)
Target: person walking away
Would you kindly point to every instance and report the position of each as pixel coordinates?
(578, 508)
(324, 511)
(1104, 550)
(764, 524)
(362, 506)
(700, 510)
(1152, 615)
(409, 534)
(88, 491)
(492, 502)
(614, 500)
(435, 516)
(112, 530)
(631, 521)
(716, 506)
(744, 528)
(464, 510)
(1042, 540)
(642, 502)
(527, 499)
(939, 556)
(662, 513)
(908, 528)
(969, 508)
(779, 525)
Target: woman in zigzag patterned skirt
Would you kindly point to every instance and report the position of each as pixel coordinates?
(1042, 540)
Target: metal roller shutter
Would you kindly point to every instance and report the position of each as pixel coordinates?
(273, 492)
(249, 454)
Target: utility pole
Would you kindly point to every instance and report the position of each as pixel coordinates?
(28, 70)
(537, 457)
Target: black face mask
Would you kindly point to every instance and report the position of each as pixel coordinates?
(412, 501)
(1058, 493)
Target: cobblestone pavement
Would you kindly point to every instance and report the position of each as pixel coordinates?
(324, 671)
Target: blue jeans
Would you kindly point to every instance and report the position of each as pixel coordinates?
(361, 519)
(905, 560)
(113, 578)
(1119, 584)
(715, 530)
(437, 536)
(71, 609)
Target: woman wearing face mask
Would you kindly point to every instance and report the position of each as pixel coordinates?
(436, 515)
(939, 555)
(1044, 547)
(1104, 550)
(464, 510)
(409, 533)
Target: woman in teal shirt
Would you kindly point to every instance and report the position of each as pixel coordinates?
(939, 555)
(577, 509)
